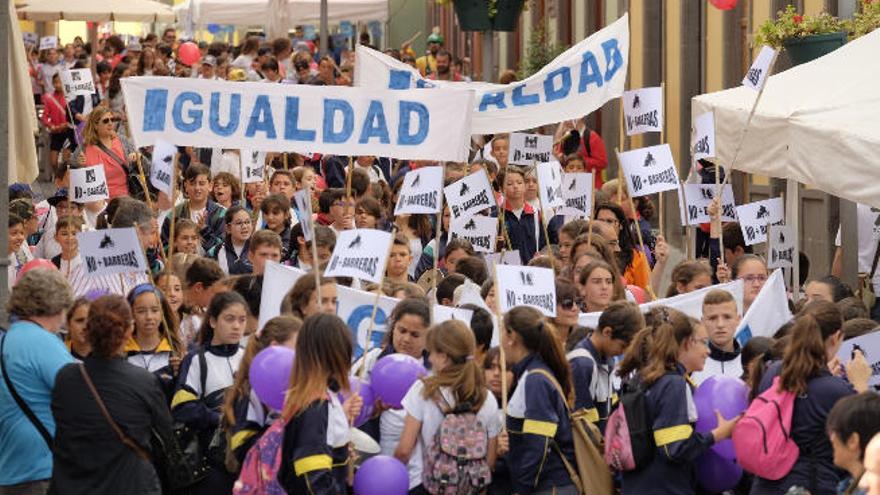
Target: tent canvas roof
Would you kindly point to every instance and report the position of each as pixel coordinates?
(255, 12)
(96, 10)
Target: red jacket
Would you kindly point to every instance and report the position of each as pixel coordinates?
(596, 159)
(54, 111)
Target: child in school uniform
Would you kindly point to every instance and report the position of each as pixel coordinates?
(522, 222)
(721, 318)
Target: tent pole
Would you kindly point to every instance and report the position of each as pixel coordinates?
(792, 210)
(325, 29)
(5, 27)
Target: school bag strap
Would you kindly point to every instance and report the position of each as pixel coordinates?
(572, 471)
(21, 403)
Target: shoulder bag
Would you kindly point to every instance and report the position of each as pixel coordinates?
(133, 179)
(21, 403)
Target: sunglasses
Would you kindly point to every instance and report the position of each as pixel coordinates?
(568, 303)
(107, 120)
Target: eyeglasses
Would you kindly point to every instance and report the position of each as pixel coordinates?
(750, 279)
(705, 342)
(567, 303)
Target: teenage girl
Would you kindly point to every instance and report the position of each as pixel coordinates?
(302, 299)
(155, 344)
(232, 255)
(77, 316)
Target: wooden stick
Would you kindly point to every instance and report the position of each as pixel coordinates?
(316, 266)
(437, 229)
(687, 226)
(502, 357)
(173, 206)
(662, 224)
(592, 213)
(143, 179)
(542, 218)
(369, 343)
(638, 233)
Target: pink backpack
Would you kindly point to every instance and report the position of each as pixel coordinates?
(762, 438)
(259, 472)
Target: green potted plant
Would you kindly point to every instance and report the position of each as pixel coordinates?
(866, 20)
(804, 37)
(486, 15)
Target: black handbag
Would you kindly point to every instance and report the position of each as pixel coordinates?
(133, 178)
(190, 450)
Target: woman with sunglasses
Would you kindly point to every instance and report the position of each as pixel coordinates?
(566, 321)
(102, 146)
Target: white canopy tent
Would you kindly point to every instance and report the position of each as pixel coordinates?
(96, 11)
(21, 112)
(258, 12)
(817, 123)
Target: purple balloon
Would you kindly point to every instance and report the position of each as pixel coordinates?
(381, 475)
(270, 375)
(393, 375)
(366, 392)
(726, 394)
(96, 293)
(717, 474)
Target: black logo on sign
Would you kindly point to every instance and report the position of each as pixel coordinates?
(106, 242)
(574, 181)
(415, 181)
(650, 161)
(531, 141)
(781, 238)
(355, 243)
(90, 175)
(470, 225)
(754, 76)
(763, 212)
(168, 158)
(75, 76)
(464, 189)
(526, 278)
(637, 102)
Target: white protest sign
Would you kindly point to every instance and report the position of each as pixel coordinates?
(420, 193)
(760, 69)
(277, 282)
(526, 286)
(869, 345)
(480, 230)
(253, 166)
(643, 110)
(440, 313)
(89, 184)
(755, 217)
(48, 42)
(649, 170)
(111, 251)
(334, 120)
(469, 195)
(355, 308)
(510, 258)
(162, 166)
(361, 254)
(576, 189)
(699, 197)
(550, 185)
(77, 82)
(30, 38)
(527, 149)
(574, 84)
(302, 205)
(782, 251)
(704, 136)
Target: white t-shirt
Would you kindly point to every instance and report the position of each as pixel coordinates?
(869, 235)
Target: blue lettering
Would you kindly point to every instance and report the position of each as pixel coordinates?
(375, 124)
(155, 104)
(234, 114)
(195, 114)
(291, 119)
(399, 79)
(261, 119)
(331, 107)
(613, 58)
(490, 98)
(407, 109)
(520, 99)
(553, 93)
(421, 83)
(589, 72)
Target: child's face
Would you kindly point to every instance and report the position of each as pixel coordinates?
(275, 219)
(222, 192)
(56, 83)
(197, 189)
(187, 241)
(172, 288)
(281, 184)
(66, 238)
(308, 181)
(240, 227)
(229, 325)
(514, 187)
(500, 150)
(531, 183)
(574, 166)
(16, 237)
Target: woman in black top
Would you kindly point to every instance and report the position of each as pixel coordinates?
(89, 457)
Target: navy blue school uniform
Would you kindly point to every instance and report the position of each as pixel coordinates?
(525, 231)
(591, 378)
(814, 469)
(539, 427)
(672, 413)
(252, 417)
(306, 458)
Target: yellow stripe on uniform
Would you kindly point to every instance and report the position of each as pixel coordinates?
(181, 397)
(665, 436)
(591, 414)
(312, 463)
(543, 428)
(240, 438)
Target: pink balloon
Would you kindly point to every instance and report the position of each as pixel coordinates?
(35, 264)
(723, 4)
(189, 53)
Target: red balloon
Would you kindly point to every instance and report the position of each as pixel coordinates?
(723, 4)
(188, 53)
(638, 293)
(38, 263)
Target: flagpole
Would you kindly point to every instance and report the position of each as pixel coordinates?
(638, 231)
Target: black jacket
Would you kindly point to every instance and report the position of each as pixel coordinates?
(89, 457)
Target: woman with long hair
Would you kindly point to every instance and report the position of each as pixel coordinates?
(77, 340)
(205, 375)
(631, 261)
(232, 255)
(538, 411)
(102, 145)
(689, 276)
(600, 287)
(456, 385)
(302, 299)
(565, 322)
(314, 454)
(677, 348)
(155, 344)
(815, 340)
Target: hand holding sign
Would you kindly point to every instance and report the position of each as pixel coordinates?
(89, 184)
(420, 193)
(643, 110)
(361, 254)
(526, 149)
(649, 170)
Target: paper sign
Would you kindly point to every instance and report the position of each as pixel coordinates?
(755, 217)
(355, 307)
(302, 205)
(480, 230)
(699, 197)
(420, 193)
(77, 82)
(649, 170)
(550, 185)
(526, 286)
(869, 344)
(361, 254)
(527, 149)
(704, 136)
(782, 250)
(253, 166)
(48, 42)
(469, 195)
(440, 313)
(576, 189)
(510, 258)
(30, 38)
(89, 184)
(111, 251)
(277, 282)
(643, 110)
(162, 167)
(760, 69)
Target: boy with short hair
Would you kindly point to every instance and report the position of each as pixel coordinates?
(399, 260)
(186, 237)
(282, 183)
(69, 262)
(500, 150)
(265, 246)
(325, 241)
(276, 215)
(721, 318)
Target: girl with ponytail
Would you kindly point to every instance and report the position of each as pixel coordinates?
(456, 385)
(815, 340)
(676, 348)
(537, 415)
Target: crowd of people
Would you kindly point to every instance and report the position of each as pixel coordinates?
(107, 379)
